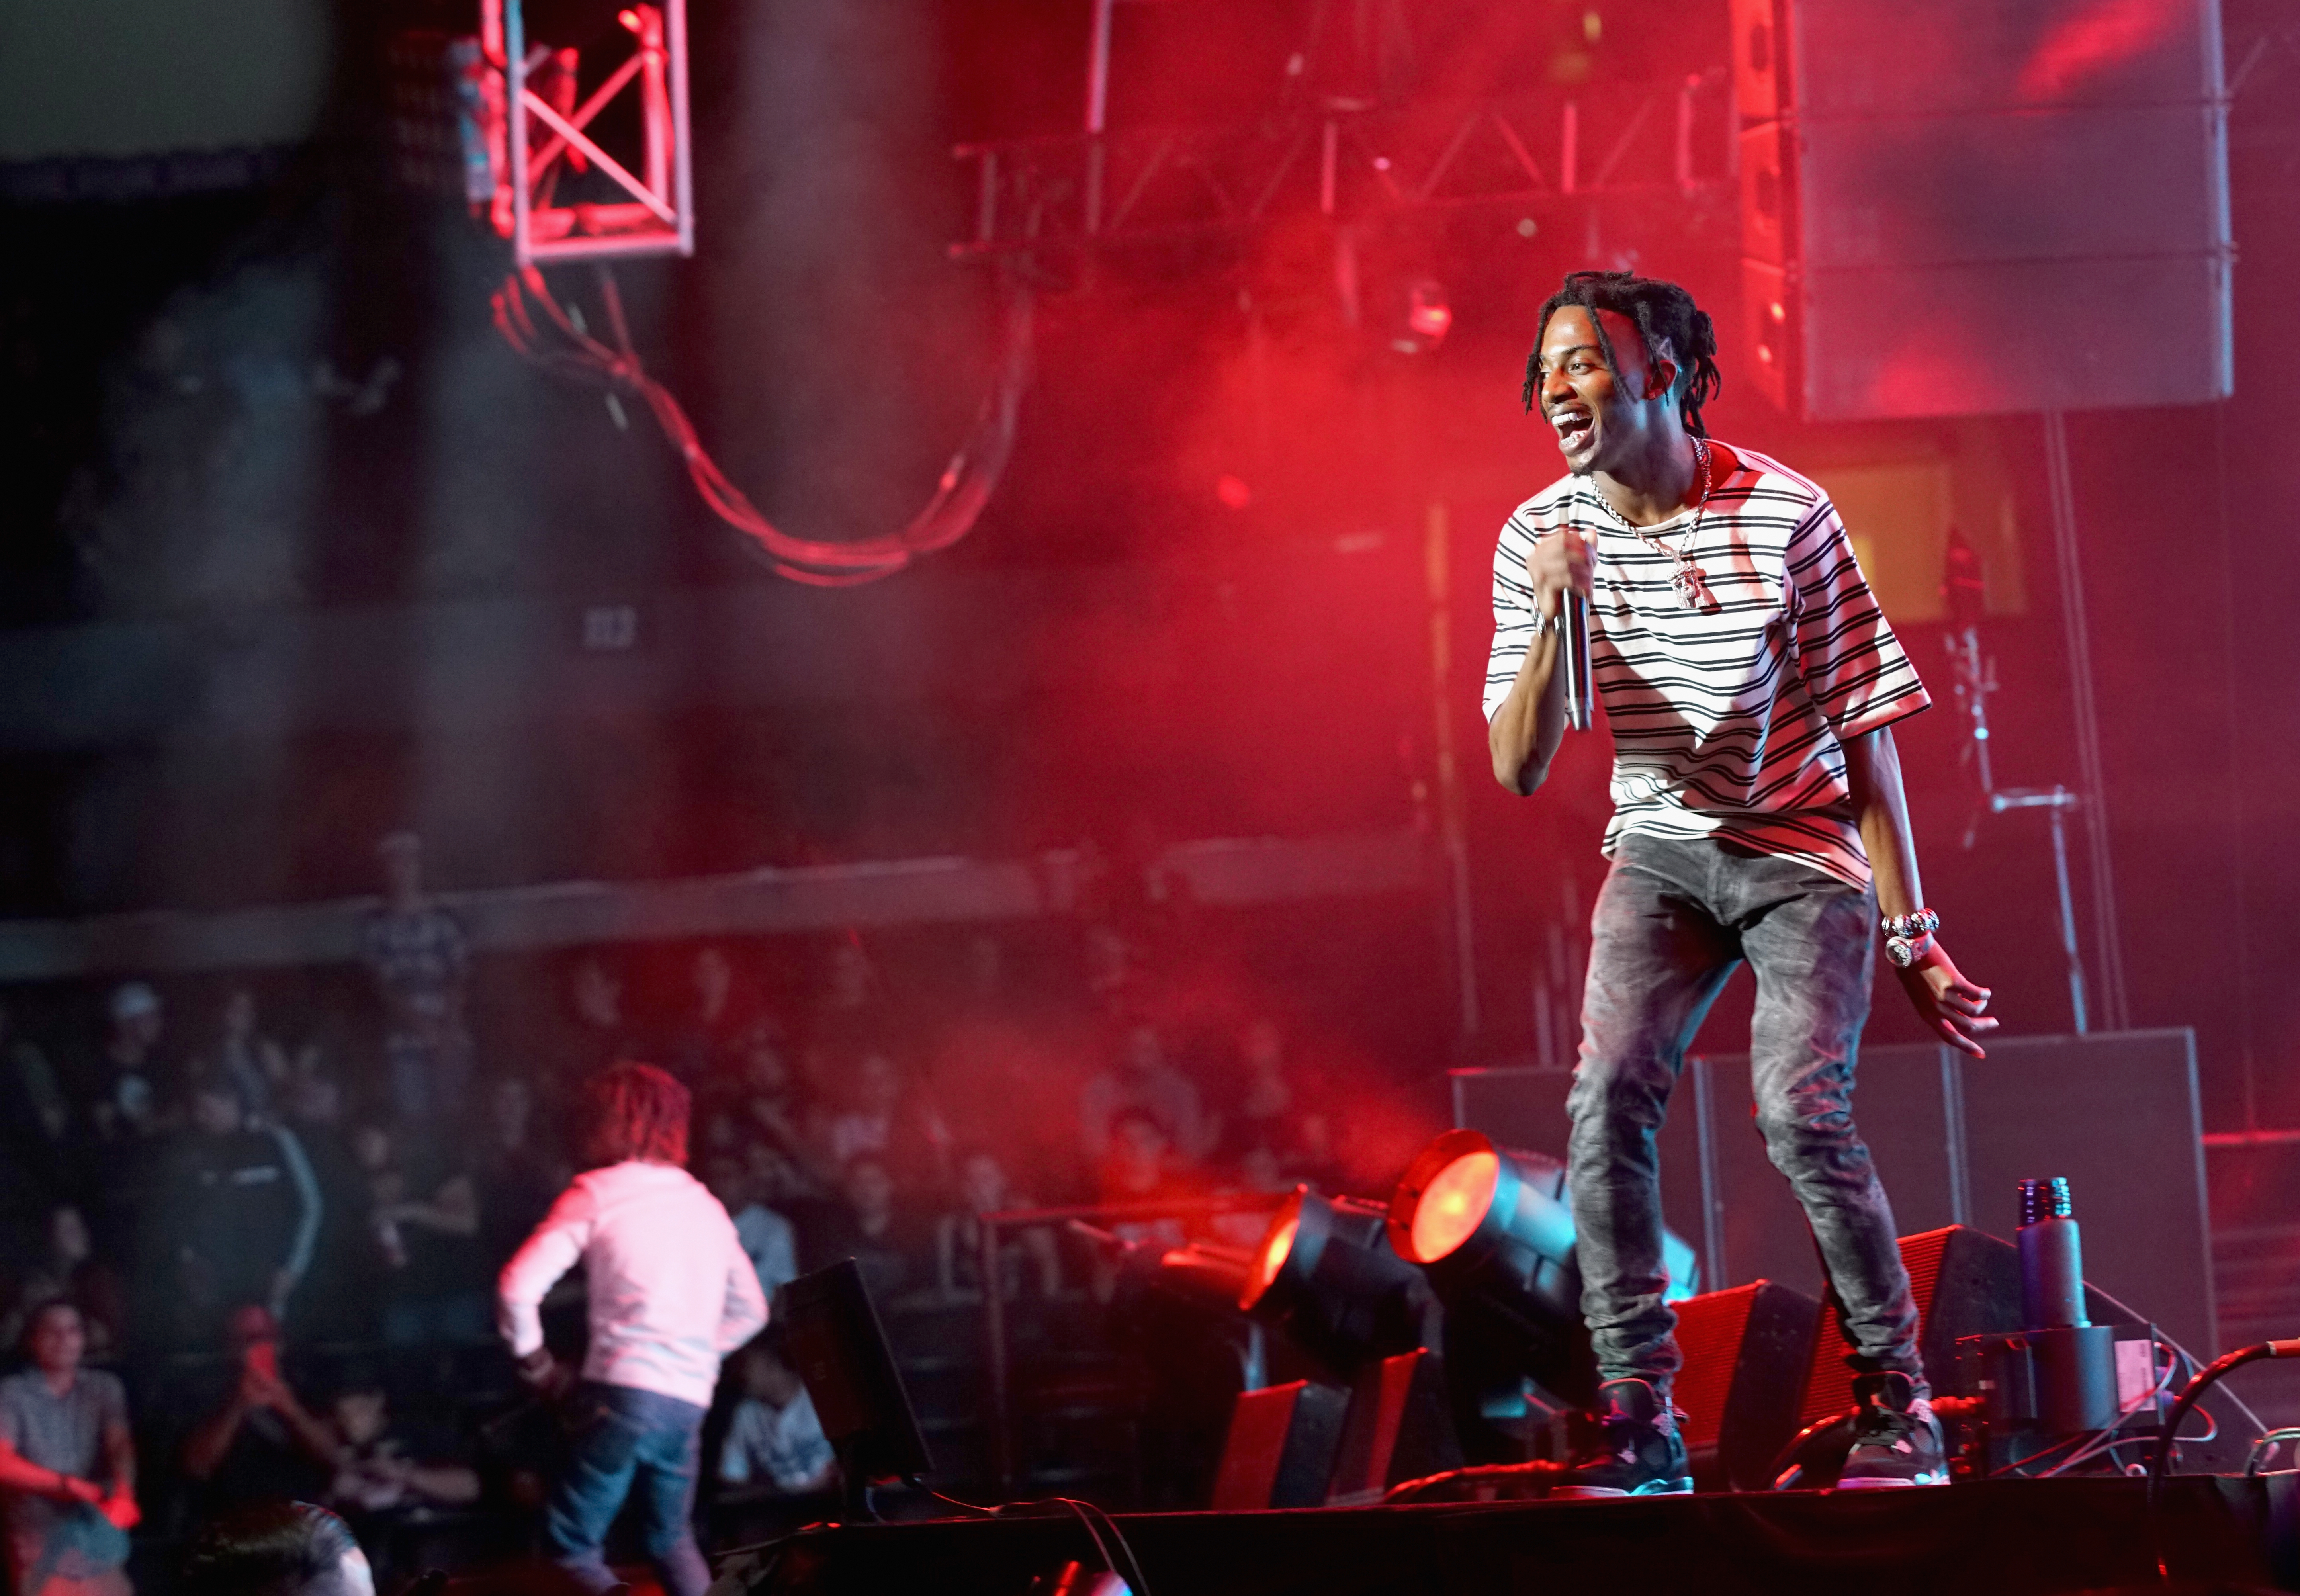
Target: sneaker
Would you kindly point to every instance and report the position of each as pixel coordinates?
(1896, 1441)
(1637, 1451)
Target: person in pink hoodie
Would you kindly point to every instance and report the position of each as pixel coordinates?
(671, 1294)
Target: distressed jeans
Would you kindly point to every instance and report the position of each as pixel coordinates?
(1673, 920)
(628, 1443)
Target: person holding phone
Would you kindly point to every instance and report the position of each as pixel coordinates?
(260, 1441)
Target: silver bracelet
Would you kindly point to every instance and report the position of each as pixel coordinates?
(1921, 922)
(1906, 951)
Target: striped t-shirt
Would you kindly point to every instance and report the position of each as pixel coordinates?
(1728, 720)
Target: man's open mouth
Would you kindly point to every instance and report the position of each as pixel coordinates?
(1573, 426)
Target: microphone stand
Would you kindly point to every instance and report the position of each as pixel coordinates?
(1973, 680)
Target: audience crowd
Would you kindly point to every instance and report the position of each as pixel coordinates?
(241, 1264)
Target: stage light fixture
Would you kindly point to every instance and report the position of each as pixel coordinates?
(1496, 1223)
(1427, 311)
(1326, 1276)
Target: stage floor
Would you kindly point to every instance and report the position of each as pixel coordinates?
(1975, 1539)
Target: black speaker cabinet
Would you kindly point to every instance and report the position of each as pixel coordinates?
(1282, 1447)
(1742, 1387)
(1400, 1427)
(1966, 1283)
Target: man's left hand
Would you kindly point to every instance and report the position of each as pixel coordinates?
(1955, 1008)
(544, 1374)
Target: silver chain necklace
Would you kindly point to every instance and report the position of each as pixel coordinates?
(1692, 589)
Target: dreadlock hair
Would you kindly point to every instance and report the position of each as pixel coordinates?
(1665, 314)
(636, 1111)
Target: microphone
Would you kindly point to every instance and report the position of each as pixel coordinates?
(1573, 652)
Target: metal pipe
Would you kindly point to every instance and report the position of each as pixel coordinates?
(2068, 918)
(2057, 802)
(515, 113)
(1685, 133)
(2108, 944)
(1097, 110)
(994, 1335)
(1097, 70)
(682, 134)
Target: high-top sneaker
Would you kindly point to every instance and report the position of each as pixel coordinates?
(1637, 1449)
(1896, 1441)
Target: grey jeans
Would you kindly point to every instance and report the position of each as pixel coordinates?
(1674, 918)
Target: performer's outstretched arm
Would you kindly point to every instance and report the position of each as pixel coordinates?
(1954, 1007)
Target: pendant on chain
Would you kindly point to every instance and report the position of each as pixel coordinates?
(1692, 591)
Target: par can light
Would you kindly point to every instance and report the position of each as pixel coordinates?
(1496, 1223)
(1481, 1218)
(1326, 1276)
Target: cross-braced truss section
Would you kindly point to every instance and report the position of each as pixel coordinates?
(1093, 189)
(537, 134)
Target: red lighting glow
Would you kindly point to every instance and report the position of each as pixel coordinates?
(1427, 312)
(1453, 1204)
(1432, 321)
(2097, 39)
(1277, 1247)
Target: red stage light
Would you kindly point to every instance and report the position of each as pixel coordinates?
(1428, 313)
(1453, 1205)
(1277, 1247)
(1233, 491)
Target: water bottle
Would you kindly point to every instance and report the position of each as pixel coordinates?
(2052, 1257)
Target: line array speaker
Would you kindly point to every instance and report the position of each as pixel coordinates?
(1967, 207)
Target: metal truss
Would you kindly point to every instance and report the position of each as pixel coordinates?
(1101, 188)
(533, 137)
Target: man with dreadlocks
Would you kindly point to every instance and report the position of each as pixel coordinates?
(1751, 683)
(672, 1292)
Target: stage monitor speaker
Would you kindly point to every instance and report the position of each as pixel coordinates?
(1400, 1427)
(2119, 1115)
(1969, 207)
(1280, 1452)
(1742, 1385)
(1966, 1283)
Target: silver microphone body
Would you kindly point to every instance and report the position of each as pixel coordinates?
(1573, 658)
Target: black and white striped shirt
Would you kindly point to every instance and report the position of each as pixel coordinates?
(1728, 720)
